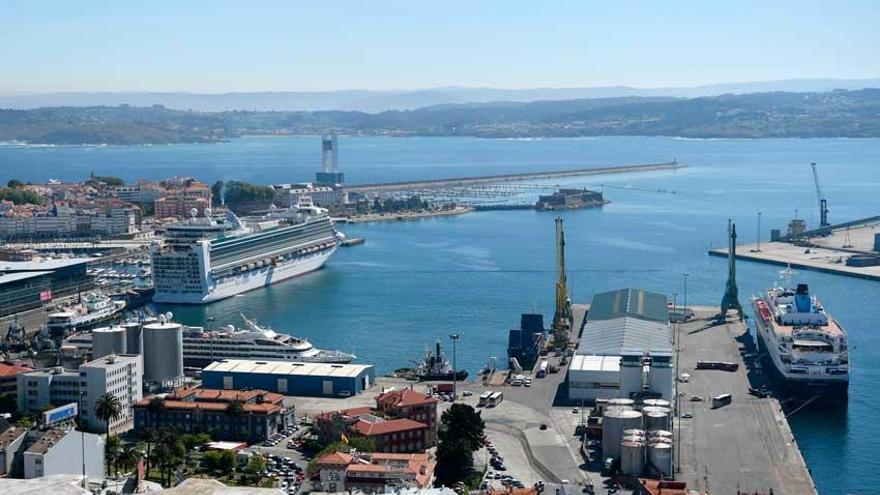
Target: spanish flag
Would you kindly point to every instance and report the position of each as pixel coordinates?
(343, 438)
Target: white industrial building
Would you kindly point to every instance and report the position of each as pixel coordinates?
(121, 376)
(625, 349)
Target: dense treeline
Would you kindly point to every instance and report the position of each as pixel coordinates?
(235, 193)
(756, 115)
(20, 196)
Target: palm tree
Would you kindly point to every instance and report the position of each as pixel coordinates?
(236, 410)
(128, 457)
(108, 408)
(169, 453)
(150, 436)
(112, 450)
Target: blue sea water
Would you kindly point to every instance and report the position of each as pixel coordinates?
(416, 281)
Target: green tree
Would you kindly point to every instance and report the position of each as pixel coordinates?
(150, 436)
(169, 453)
(14, 184)
(228, 462)
(112, 450)
(462, 431)
(255, 467)
(362, 444)
(191, 441)
(211, 460)
(8, 403)
(108, 408)
(128, 458)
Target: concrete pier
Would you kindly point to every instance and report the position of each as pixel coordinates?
(746, 445)
(813, 258)
(489, 179)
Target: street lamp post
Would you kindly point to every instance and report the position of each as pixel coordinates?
(454, 338)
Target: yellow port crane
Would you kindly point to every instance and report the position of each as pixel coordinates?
(562, 317)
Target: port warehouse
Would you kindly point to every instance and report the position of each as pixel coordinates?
(625, 349)
(289, 378)
(27, 285)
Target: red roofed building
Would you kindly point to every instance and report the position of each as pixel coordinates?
(374, 472)
(249, 416)
(8, 377)
(409, 404)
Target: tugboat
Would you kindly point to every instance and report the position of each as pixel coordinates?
(436, 367)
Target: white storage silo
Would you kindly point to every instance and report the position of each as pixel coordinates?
(664, 435)
(632, 457)
(107, 340)
(660, 458)
(634, 432)
(134, 337)
(163, 351)
(614, 422)
(620, 401)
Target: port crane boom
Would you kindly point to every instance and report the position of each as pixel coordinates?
(823, 203)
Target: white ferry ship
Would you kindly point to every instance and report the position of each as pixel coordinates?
(806, 347)
(202, 347)
(91, 311)
(205, 259)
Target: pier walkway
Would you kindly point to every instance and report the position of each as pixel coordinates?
(491, 179)
(746, 445)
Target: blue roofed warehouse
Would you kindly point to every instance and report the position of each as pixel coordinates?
(289, 378)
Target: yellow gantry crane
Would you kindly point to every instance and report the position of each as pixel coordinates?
(562, 317)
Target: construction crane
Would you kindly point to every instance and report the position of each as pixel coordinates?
(562, 317)
(823, 203)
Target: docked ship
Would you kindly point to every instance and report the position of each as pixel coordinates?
(202, 347)
(806, 347)
(91, 311)
(434, 367)
(205, 259)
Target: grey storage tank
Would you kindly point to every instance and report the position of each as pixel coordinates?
(660, 458)
(108, 340)
(614, 422)
(163, 351)
(134, 337)
(632, 457)
(657, 420)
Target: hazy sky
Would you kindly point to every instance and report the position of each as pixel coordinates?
(316, 45)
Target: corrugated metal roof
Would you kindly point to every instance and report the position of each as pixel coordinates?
(287, 368)
(635, 303)
(47, 264)
(595, 363)
(613, 337)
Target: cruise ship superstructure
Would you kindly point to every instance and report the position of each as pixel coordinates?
(202, 347)
(806, 347)
(205, 259)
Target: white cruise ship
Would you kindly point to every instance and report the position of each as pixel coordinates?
(205, 259)
(91, 311)
(806, 347)
(202, 347)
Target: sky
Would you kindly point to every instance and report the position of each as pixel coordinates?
(226, 46)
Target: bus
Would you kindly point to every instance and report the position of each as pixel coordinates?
(721, 400)
(496, 399)
(484, 399)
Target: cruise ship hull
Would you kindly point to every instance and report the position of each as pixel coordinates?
(253, 279)
(819, 389)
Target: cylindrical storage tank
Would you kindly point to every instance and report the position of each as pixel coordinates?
(617, 408)
(632, 457)
(106, 341)
(656, 409)
(620, 401)
(634, 432)
(656, 402)
(134, 338)
(163, 352)
(660, 458)
(659, 434)
(656, 421)
(614, 422)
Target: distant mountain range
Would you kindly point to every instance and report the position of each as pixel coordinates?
(379, 101)
(836, 113)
